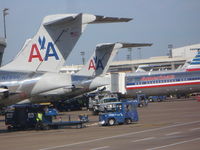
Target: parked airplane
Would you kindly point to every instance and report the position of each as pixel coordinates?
(35, 69)
(90, 77)
(179, 82)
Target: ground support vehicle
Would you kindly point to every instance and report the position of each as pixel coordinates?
(23, 117)
(124, 113)
(104, 104)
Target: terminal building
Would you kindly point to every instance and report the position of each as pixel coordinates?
(177, 59)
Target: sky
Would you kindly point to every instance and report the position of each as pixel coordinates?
(159, 22)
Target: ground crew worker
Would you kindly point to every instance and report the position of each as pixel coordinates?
(39, 117)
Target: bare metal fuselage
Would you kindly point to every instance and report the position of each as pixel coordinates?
(80, 85)
(165, 83)
(23, 85)
(19, 84)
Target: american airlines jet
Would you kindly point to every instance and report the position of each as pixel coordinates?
(90, 77)
(179, 82)
(36, 67)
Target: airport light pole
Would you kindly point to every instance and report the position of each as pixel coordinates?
(5, 12)
(83, 57)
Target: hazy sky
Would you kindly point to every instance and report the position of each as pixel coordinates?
(160, 22)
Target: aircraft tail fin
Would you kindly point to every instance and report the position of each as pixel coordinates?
(55, 39)
(100, 61)
(194, 65)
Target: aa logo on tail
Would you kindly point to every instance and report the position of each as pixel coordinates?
(35, 51)
(95, 64)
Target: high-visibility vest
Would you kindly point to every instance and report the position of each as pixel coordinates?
(39, 117)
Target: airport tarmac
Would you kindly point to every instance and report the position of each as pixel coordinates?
(172, 125)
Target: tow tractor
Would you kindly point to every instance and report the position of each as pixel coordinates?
(23, 117)
(122, 113)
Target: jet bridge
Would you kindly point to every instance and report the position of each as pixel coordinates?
(118, 83)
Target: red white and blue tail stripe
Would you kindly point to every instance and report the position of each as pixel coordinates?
(195, 63)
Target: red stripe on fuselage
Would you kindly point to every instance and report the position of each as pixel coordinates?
(162, 85)
(193, 69)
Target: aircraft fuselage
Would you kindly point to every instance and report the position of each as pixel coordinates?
(163, 83)
(80, 85)
(23, 85)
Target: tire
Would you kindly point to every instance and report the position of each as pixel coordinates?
(79, 126)
(128, 121)
(111, 122)
(140, 105)
(45, 127)
(151, 100)
(39, 126)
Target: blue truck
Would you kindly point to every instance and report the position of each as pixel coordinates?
(123, 113)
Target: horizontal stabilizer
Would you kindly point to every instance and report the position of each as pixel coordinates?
(55, 20)
(128, 45)
(122, 45)
(103, 19)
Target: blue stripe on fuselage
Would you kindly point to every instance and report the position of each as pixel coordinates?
(132, 79)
